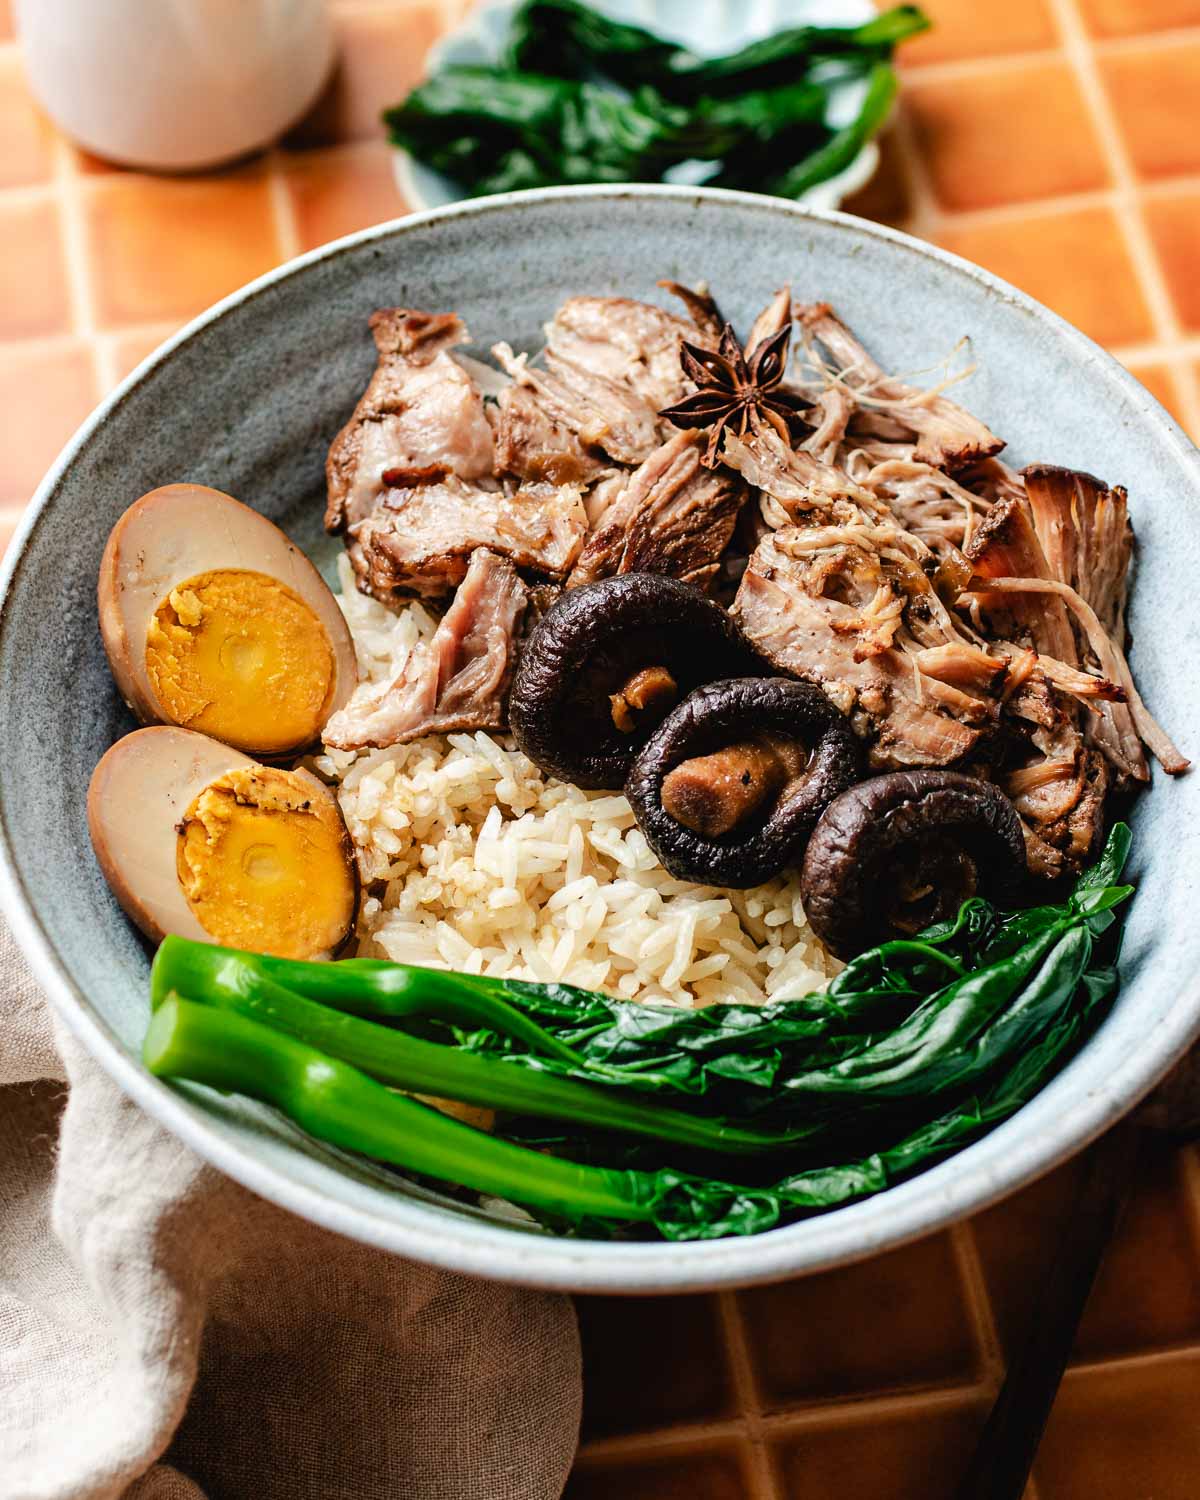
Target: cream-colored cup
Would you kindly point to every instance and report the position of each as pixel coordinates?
(175, 85)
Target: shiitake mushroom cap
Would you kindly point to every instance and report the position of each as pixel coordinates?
(900, 851)
(586, 648)
(726, 713)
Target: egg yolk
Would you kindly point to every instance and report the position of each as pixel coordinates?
(265, 864)
(239, 656)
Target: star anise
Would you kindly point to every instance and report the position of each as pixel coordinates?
(733, 390)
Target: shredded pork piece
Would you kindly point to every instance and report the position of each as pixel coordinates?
(601, 413)
(419, 539)
(420, 408)
(456, 681)
(1109, 655)
(702, 309)
(633, 345)
(819, 638)
(948, 437)
(674, 516)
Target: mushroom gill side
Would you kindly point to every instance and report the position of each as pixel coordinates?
(898, 852)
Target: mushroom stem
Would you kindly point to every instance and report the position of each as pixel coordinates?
(714, 794)
(650, 688)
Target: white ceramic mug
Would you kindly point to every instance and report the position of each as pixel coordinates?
(175, 85)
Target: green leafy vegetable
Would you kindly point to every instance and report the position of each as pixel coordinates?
(916, 1048)
(582, 98)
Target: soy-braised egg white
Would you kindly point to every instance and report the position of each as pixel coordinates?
(214, 621)
(196, 838)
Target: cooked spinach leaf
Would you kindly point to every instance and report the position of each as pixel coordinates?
(582, 98)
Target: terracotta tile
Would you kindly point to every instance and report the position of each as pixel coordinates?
(33, 290)
(24, 132)
(980, 30)
(95, 166)
(1147, 1294)
(381, 55)
(1146, 86)
(168, 247)
(898, 1320)
(716, 1473)
(44, 395)
(1124, 1433)
(887, 197)
(652, 1362)
(1000, 137)
(1160, 382)
(1174, 224)
(336, 192)
(1131, 17)
(918, 1455)
(1077, 263)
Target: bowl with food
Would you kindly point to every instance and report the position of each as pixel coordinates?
(607, 737)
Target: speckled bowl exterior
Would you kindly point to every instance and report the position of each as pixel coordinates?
(247, 399)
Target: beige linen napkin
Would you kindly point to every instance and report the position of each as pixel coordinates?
(150, 1307)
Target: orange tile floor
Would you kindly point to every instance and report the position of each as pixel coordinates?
(1055, 141)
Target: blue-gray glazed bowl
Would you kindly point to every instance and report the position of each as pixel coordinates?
(247, 399)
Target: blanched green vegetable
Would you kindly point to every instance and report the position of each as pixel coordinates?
(758, 116)
(917, 1048)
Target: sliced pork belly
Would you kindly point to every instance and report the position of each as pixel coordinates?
(674, 516)
(420, 408)
(418, 540)
(459, 680)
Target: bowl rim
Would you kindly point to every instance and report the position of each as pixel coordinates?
(963, 1184)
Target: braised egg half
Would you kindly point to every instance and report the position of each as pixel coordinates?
(213, 620)
(197, 839)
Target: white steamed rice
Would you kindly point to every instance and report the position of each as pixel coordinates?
(474, 860)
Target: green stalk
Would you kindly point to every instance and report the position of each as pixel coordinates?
(842, 147)
(337, 1104)
(363, 987)
(202, 973)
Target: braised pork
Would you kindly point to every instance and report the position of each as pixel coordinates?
(674, 516)
(831, 620)
(601, 414)
(632, 345)
(420, 408)
(458, 680)
(947, 436)
(418, 540)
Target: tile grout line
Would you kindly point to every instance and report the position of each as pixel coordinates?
(79, 285)
(1129, 211)
(1187, 1165)
(983, 1316)
(747, 1395)
(954, 69)
(287, 231)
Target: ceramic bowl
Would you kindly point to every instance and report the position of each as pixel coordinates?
(709, 27)
(247, 399)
